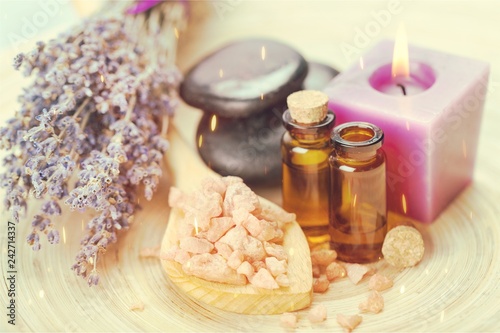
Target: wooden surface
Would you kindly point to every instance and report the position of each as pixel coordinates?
(189, 170)
(455, 288)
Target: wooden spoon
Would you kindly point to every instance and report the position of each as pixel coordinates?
(187, 170)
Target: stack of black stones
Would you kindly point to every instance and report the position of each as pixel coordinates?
(242, 89)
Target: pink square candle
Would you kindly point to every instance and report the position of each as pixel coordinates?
(431, 134)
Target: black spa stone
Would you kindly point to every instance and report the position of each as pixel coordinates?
(318, 76)
(248, 148)
(244, 78)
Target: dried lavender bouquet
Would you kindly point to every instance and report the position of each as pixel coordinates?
(90, 131)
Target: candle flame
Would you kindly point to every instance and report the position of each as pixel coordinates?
(361, 63)
(403, 201)
(64, 234)
(176, 32)
(221, 73)
(213, 123)
(400, 61)
(354, 200)
(263, 53)
(261, 97)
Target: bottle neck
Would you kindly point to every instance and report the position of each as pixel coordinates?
(359, 156)
(357, 141)
(310, 133)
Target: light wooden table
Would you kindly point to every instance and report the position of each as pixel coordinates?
(455, 288)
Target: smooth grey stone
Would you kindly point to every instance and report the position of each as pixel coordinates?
(251, 147)
(318, 76)
(235, 81)
(248, 148)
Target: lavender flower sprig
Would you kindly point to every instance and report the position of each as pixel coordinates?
(97, 107)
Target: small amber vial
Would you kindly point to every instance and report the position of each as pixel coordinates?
(305, 150)
(358, 208)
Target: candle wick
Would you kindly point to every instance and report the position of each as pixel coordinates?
(402, 88)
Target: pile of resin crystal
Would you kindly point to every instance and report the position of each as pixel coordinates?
(226, 235)
(94, 109)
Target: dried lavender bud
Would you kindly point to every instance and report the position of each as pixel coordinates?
(53, 236)
(93, 278)
(51, 207)
(18, 60)
(96, 107)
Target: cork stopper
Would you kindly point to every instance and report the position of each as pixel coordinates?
(308, 106)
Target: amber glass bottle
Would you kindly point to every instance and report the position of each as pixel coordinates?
(358, 208)
(305, 151)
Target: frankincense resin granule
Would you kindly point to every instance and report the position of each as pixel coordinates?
(317, 313)
(380, 282)
(374, 303)
(227, 236)
(289, 320)
(349, 322)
